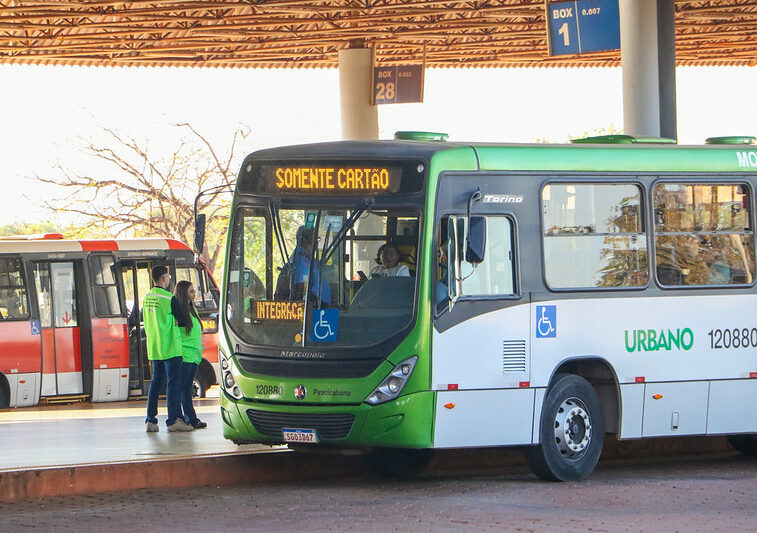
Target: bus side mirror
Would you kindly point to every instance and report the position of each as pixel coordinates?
(476, 245)
(199, 233)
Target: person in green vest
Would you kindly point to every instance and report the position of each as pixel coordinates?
(159, 309)
(191, 348)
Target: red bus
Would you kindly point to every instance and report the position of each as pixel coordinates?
(70, 317)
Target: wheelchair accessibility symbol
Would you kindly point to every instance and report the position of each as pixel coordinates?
(546, 321)
(325, 324)
(36, 330)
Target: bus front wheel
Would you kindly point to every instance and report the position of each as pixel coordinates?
(571, 431)
(746, 444)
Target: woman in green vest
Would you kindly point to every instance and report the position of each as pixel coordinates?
(191, 348)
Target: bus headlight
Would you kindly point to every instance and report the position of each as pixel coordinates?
(228, 381)
(393, 384)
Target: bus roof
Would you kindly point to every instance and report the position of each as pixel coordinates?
(47, 245)
(636, 157)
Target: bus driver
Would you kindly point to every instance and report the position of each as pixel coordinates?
(388, 263)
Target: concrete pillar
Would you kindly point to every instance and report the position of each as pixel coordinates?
(359, 117)
(647, 55)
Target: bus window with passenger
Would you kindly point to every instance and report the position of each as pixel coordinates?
(13, 295)
(322, 253)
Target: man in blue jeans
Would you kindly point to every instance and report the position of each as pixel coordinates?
(163, 351)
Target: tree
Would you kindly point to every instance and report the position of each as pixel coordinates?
(609, 130)
(29, 228)
(138, 194)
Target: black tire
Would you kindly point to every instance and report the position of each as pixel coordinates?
(746, 444)
(199, 386)
(570, 408)
(403, 463)
(3, 400)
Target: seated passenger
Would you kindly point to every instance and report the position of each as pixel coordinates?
(388, 263)
(252, 289)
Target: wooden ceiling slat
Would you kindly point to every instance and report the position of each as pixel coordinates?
(310, 33)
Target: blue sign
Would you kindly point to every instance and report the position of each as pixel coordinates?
(583, 26)
(325, 325)
(36, 329)
(546, 321)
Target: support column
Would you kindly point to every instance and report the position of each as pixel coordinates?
(647, 55)
(359, 117)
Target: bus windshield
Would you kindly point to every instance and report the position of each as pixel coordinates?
(356, 265)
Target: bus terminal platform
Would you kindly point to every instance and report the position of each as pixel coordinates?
(87, 448)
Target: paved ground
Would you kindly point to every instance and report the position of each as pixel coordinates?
(104, 433)
(718, 493)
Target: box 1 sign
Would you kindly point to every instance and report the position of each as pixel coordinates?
(583, 26)
(401, 84)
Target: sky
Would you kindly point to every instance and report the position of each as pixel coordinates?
(49, 113)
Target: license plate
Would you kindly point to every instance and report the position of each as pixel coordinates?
(300, 435)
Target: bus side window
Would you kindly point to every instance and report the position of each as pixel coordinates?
(210, 293)
(13, 293)
(104, 289)
(702, 234)
(207, 299)
(194, 276)
(495, 275)
(593, 235)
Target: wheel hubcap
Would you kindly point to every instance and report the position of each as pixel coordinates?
(572, 428)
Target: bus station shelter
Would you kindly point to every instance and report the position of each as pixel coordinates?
(356, 35)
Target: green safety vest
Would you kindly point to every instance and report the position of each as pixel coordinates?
(191, 343)
(163, 335)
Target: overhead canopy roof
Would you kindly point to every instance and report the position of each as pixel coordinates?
(309, 33)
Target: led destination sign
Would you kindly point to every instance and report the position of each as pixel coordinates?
(266, 310)
(353, 179)
(328, 177)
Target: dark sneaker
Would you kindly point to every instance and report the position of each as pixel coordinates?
(199, 424)
(180, 425)
(152, 427)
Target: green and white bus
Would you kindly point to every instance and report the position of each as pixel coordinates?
(545, 295)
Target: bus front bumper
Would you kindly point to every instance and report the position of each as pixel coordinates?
(403, 423)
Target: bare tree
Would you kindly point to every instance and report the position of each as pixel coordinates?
(140, 195)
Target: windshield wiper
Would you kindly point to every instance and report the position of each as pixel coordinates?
(309, 281)
(287, 262)
(342, 233)
(322, 263)
(326, 252)
(276, 219)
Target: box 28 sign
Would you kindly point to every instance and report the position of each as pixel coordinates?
(400, 84)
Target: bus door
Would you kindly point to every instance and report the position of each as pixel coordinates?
(136, 279)
(62, 315)
(482, 324)
(110, 333)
